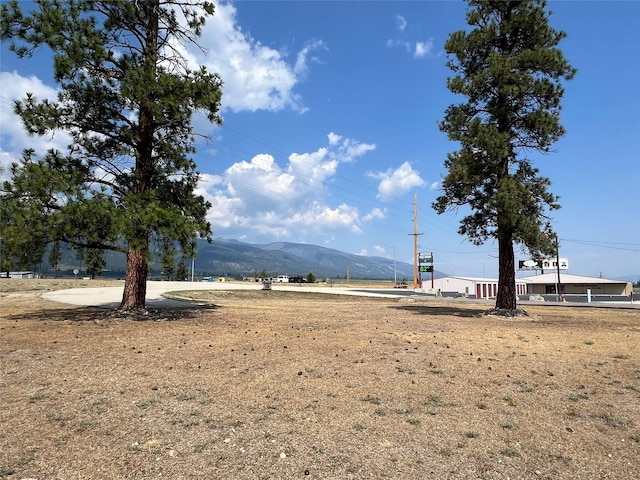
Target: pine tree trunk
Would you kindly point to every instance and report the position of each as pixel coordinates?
(135, 282)
(506, 298)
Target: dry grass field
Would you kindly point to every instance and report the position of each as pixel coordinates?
(281, 385)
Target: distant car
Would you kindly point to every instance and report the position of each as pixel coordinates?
(400, 285)
(282, 279)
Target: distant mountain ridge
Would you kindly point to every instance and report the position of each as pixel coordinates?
(235, 258)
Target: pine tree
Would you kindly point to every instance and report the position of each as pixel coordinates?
(510, 70)
(126, 97)
(182, 271)
(55, 255)
(94, 261)
(23, 236)
(167, 253)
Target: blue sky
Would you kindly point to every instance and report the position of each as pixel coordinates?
(330, 129)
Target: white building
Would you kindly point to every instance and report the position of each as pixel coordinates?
(545, 284)
(472, 287)
(25, 274)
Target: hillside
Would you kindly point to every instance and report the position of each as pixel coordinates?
(232, 258)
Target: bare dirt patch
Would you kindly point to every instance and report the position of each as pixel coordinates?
(295, 385)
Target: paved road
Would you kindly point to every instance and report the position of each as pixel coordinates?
(111, 296)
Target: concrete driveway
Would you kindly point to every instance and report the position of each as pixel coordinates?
(111, 296)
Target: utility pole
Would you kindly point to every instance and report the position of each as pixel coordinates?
(559, 285)
(415, 241)
(433, 270)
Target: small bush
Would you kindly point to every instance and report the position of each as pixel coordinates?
(614, 420)
(371, 399)
(510, 452)
(574, 397)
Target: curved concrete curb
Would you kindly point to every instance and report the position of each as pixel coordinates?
(111, 296)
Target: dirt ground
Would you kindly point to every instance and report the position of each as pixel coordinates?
(286, 385)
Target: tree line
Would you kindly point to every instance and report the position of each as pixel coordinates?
(126, 96)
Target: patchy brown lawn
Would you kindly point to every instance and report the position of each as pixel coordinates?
(286, 385)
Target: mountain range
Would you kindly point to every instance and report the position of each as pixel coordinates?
(235, 258)
(232, 258)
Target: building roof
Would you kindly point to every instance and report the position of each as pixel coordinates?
(473, 279)
(548, 278)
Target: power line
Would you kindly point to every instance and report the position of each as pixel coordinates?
(609, 245)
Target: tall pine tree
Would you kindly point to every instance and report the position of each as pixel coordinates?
(126, 96)
(510, 70)
(55, 256)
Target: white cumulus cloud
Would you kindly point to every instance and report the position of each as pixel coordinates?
(256, 77)
(423, 48)
(374, 214)
(394, 183)
(268, 198)
(14, 138)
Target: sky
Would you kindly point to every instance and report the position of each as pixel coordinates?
(331, 137)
